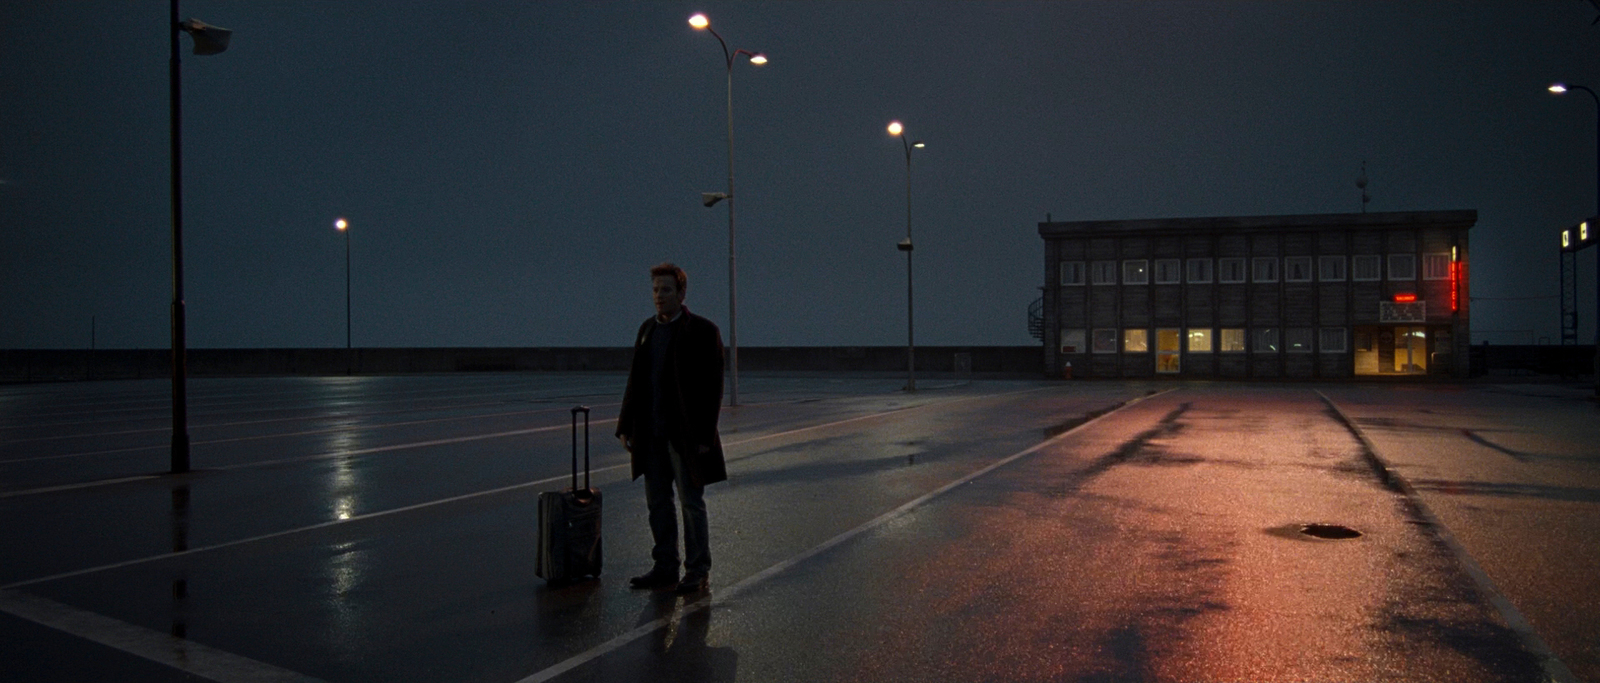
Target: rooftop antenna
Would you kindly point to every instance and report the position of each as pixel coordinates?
(1361, 184)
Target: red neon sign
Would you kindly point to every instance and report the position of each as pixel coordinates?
(1455, 286)
(1404, 298)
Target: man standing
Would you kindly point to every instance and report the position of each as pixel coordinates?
(669, 424)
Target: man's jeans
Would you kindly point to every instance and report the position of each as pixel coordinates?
(664, 468)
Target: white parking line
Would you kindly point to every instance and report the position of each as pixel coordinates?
(1555, 670)
(178, 653)
(467, 496)
(726, 595)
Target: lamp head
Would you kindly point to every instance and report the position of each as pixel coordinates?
(758, 59)
(711, 198)
(208, 39)
(919, 144)
(699, 21)
(1558, 88)
(895, 128)
(340, 224)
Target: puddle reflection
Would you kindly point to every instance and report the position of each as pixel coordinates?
(680, 652)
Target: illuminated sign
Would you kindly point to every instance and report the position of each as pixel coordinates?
(1577, 237)
(1404, 298)
(1402, 312)
(1455, 286)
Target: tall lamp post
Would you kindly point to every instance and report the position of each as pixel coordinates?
(208, 40)
(898, 130)
(1561, 89)
(343, 226)
(700, 22)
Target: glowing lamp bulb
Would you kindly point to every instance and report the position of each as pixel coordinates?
(758, 59)
(1558, 88)
(340, 224)
(895, 128)
(699, 21)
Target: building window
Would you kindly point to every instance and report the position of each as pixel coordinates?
(1436, 266)
(1105, 341)
(1072, 341)
(1071, 272)
(1231, 340)
(1199, 340)
(1330, 268)
(1297, 340)
(1366, 268)
(1402, 267)
(1264, 340)
(1264, 269)
(1168, 271)
(1331, 340)
(1230, 270)
(1136, 272)
(1105, 273)
(1297, 269)
(1135, 341)
(1199, 270)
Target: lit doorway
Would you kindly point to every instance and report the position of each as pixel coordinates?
(1411, 350)
(1398, 350)
(1167, 350)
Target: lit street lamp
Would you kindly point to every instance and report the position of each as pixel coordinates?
(208, 40)
(700, 22)
(344, 226)
(1561, 89)
(898, 131)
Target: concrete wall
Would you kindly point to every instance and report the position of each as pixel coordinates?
(44, 365)
(50, 365)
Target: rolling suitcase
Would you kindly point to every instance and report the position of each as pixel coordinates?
(569, 521)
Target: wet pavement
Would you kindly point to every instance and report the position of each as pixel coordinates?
(382, 529)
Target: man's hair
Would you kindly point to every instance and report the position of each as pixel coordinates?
(676, 273)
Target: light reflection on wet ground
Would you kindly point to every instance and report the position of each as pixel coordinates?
(381, 529)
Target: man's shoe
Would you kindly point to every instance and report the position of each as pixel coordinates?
(694, 583)
(657, 578)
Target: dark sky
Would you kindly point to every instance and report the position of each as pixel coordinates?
(511, 169)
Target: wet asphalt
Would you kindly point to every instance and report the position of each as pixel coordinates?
(382, 529)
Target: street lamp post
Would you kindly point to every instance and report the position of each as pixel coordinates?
(700, 22)
(1559, 89)
(208, 40)
(343, 226)
(898, 130)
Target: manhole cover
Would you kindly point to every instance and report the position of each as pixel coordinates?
(1329, 531)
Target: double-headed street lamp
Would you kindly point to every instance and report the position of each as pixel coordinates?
(700, 22)
(208, 40)
(898, 130)
(1561, 89)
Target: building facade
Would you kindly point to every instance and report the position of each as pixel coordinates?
(1300, 296)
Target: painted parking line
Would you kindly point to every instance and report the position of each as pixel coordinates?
(1555, 670)
(305, 458)
(466, 496)
(178, 653)
(724, 596)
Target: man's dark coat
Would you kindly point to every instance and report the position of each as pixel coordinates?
(693, 394)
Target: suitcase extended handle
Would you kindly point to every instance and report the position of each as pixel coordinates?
(585, 411)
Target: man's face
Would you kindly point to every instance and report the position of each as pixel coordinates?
(669, 300)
